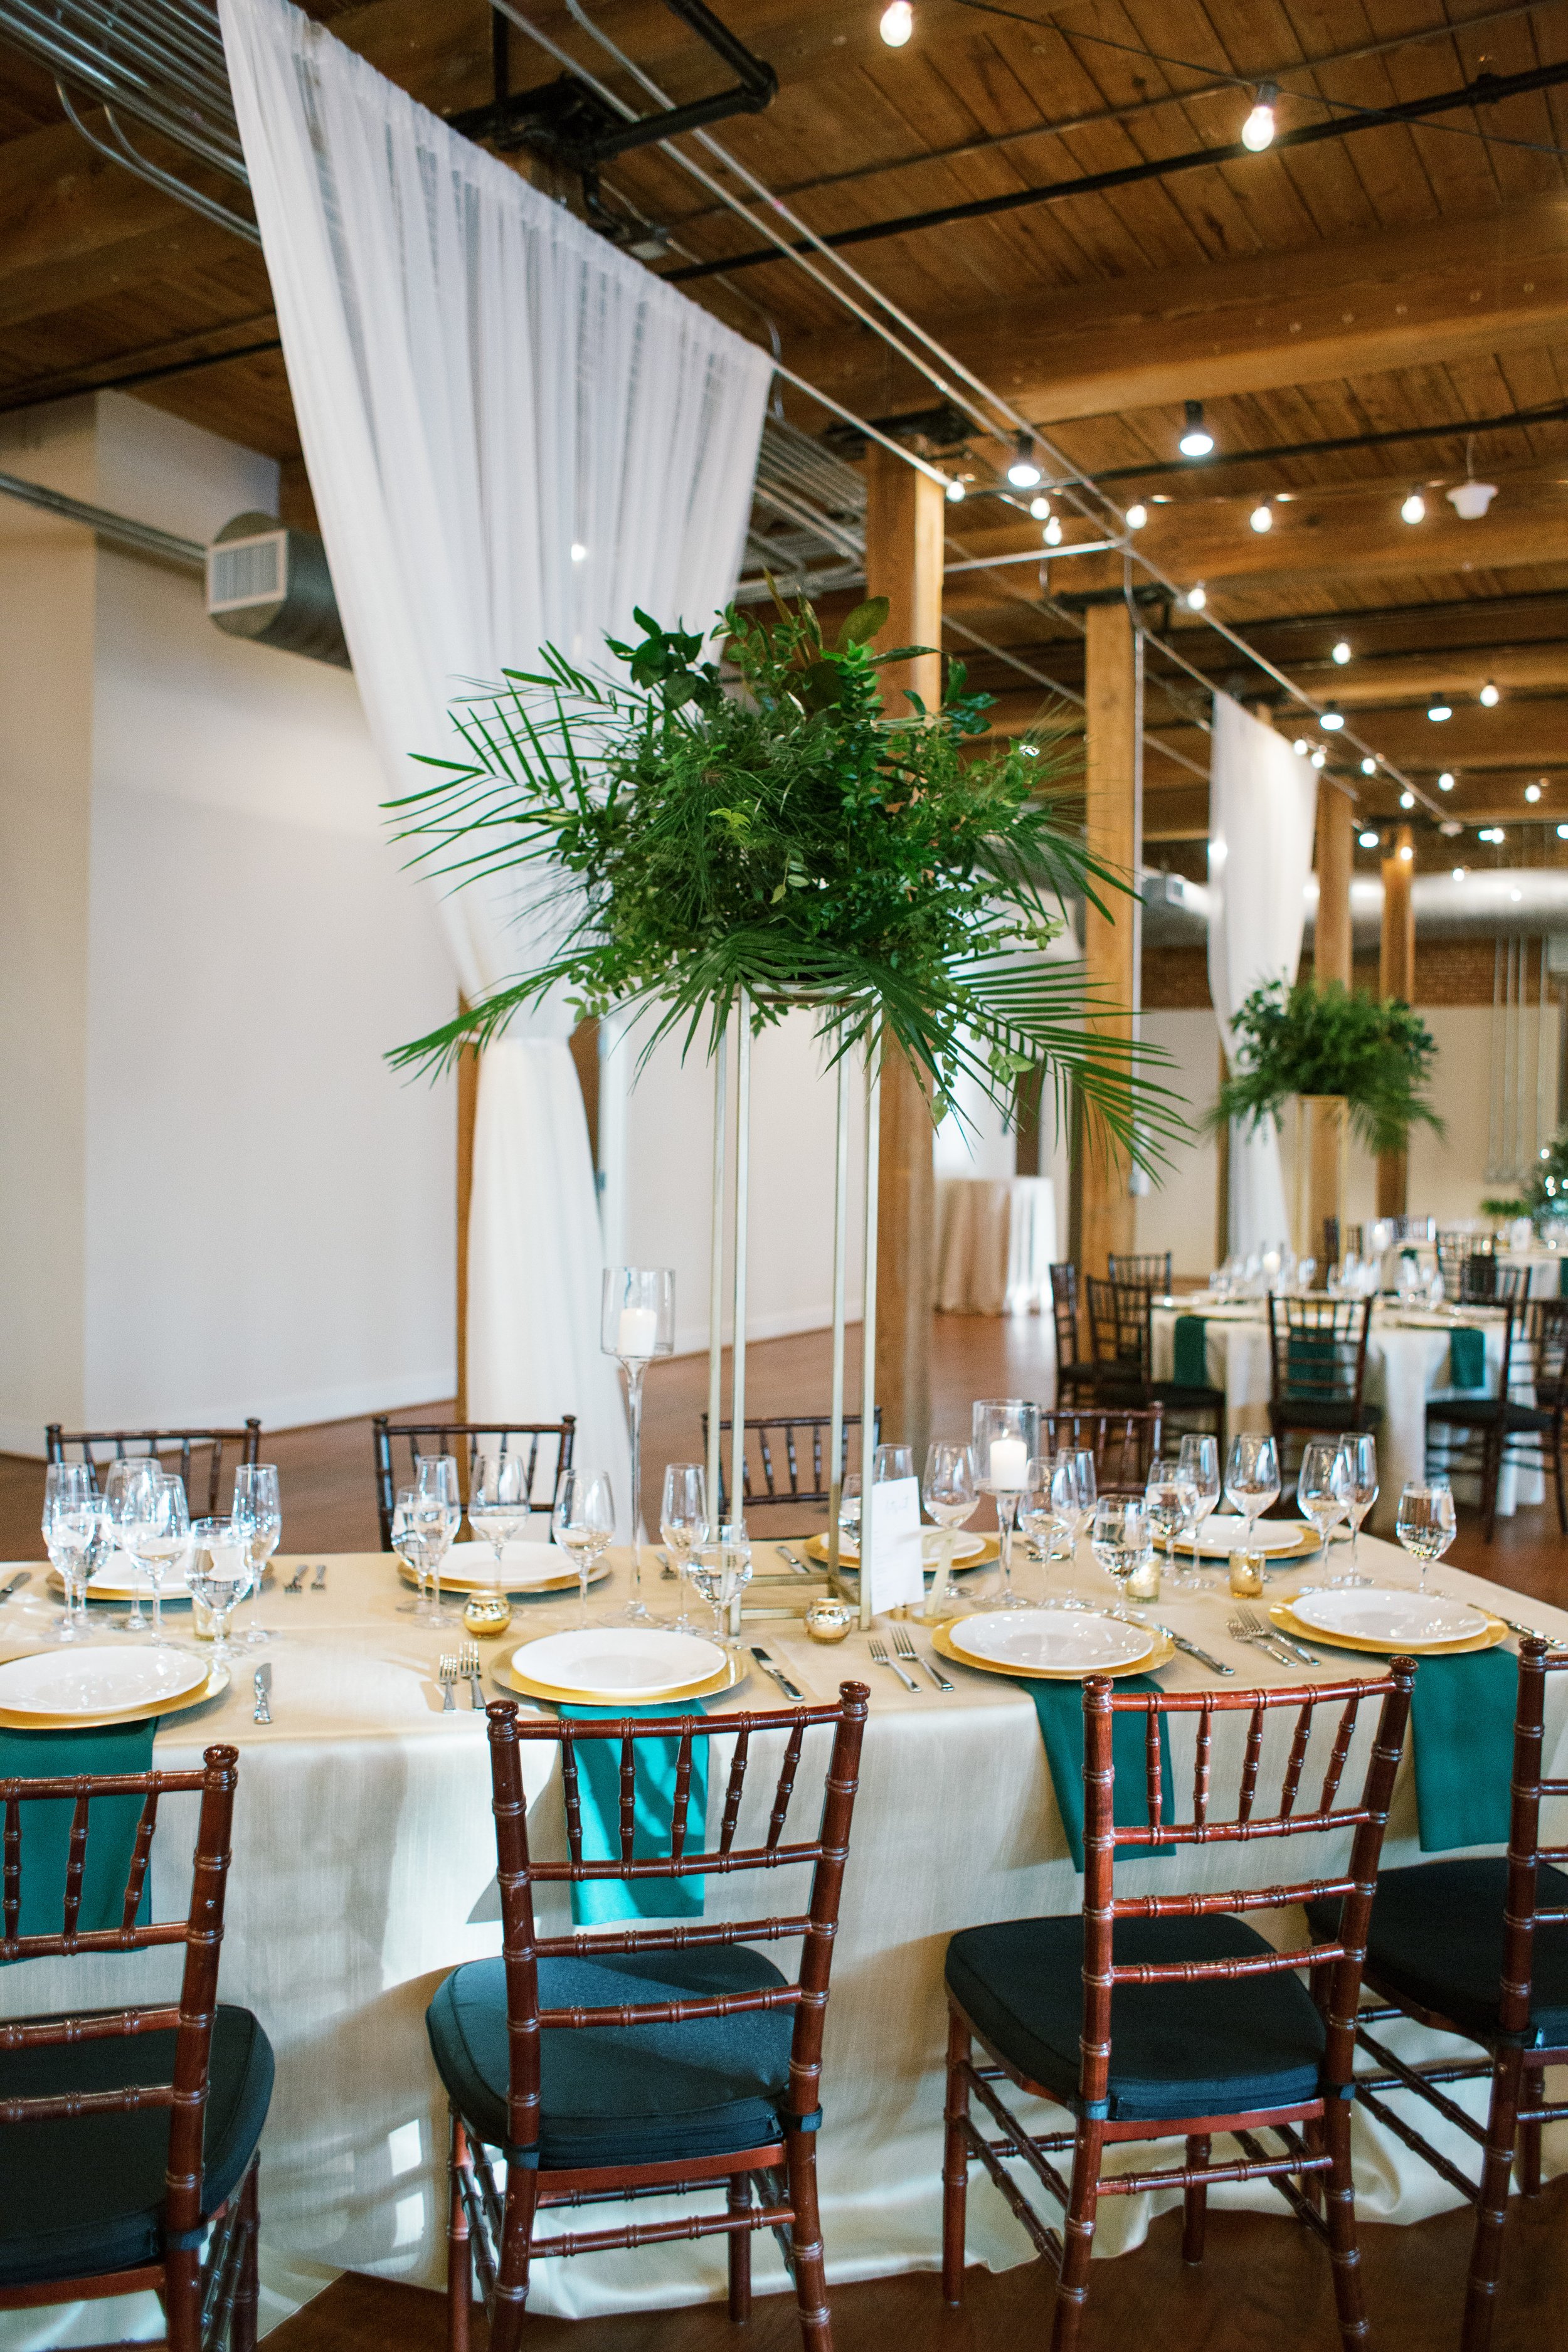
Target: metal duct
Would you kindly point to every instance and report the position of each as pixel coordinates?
(273, 585)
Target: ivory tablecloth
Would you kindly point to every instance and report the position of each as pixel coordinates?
(996, 1241)
(363, 1871)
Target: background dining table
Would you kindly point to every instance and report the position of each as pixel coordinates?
(364, 1870)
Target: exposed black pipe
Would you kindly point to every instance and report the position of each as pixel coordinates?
(1486, 89)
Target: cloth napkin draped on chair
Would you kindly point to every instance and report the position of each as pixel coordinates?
(45, 1828)
(599, 1900)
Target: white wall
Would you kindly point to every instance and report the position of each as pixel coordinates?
(263, 1215)
(1179, 1214)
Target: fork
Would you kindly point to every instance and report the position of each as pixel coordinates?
(297, 1581)
(906, 1650)
(1264, 1642)
(468, 1670)
(446, 1676)
(319, 1582)
(879, 1658)
(1256, 1626)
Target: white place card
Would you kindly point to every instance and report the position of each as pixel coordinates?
(896, 1570)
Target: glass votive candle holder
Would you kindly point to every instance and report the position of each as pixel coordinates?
(1246, 1575)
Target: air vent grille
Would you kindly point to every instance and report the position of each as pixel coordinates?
(242, 572)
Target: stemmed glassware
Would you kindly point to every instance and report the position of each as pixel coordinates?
(1075, 1490)
(1162, 1500)
(1121, 1539)
(1427, 1523)
(498, 1501)
(70, 1526)
(409, 1542)
(638, 1323)
(438, 1511)
(257, 1508)
(722, 1571)
(120, 1486)
(950, 1494)
(583, 1521)
(1036, 1521)
(1197, 1482)
(222, 1572)
(1007, 1439)
(849, 1514)
(1322, 1487)
(1252, 1478)
(157, 1533)
(1359, 1453)
(683, 1524)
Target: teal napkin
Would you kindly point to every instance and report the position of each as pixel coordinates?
(1468, 1359)
(1059, 1706)
(1189, 1352)
(1461, 1729)
(597, 1901)
(45, 1828)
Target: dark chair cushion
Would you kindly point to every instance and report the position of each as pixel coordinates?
(624, 2094)
(1323, 1413)
(1436, 1939)
(1218, 2048)
(1176, 1393)
(83, 2196)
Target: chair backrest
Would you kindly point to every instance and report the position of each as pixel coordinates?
(548, 1445)
(1524, 1911)
(1119, 1331)
(1546, 1330)
(1415, 1229)
(1152, 1268)
(778, 1439)
(1064, 1314)
(201, 1932)
(1457, 1247)
(1330, 1240)
(98, 1447)
(1123, 1444)
(1366, 1815)
(1317, 1353)
(826, 1853)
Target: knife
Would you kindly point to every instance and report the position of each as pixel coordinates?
(777, 1672)
(263, 1679)
(1216, 1666)
(23, 1575)
(1300, 1649)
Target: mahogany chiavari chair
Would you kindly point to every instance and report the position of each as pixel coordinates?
(1317, 1368)
(1152, 1269)
(1121, 1334)
(1479, 1948)
(466, 1440)
(1532, 1427)
(1075, 1373)
(1123, 1442)
(98, 1447)
(1157, 2017)
(593, 2095)
(784, 1434)
(1470, 1431)
(128, 2137)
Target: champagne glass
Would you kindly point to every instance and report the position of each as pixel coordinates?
(1322, 1487)
(583, 1521)
(439, 1506)
(722, 1571)
(636, 1324)
(1252, 1478)
(1121, 1539)
(683, 1523)
(1360, 1452)
(1007, 1438)
(120, 1487)
(257, 1507)
(70, 1529)
(1198, 1475)
(408, 1542)
(222, 1571)
(950, 1495)
(1163, 1501)
(159, 1536)
(498, 1503)
(1427, 1523)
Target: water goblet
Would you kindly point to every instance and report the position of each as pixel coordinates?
(70, 1525)
(159, 1536)
(1252, 1478)
(720, 1573)
(439, 1506)
(498, 1501)
(1121, 1539)
(583, 1521)
(1427, 1524)
(1163, 1501)
(1036, 1517)
(1322, 1487)
(220, 1574)
(1360, 1452)
(408, 1541)
(120, 1486)
(1198, 1475)
(258, 1508)
(1007, 1437)
(683, 1523)
(950, 1494)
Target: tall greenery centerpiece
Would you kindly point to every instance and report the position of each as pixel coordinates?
(1544, 1198)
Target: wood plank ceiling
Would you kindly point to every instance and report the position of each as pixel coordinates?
(1348, 306)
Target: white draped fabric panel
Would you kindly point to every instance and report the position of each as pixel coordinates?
(514, 435)
(1263, 801)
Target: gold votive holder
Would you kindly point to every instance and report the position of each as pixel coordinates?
(1246, 1575)
(830, 1619)
(486, 1614)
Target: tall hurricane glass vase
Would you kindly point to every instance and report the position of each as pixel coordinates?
(638, 1323)
(1007, 1438)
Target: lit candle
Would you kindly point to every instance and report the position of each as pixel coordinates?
(1009, 1464)
(637, 1331)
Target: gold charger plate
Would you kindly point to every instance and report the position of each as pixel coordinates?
(1162, 1652)
(1285, 1617)
(990, 1550)
(566, 1583)
(118, 1595)
(1307, 1542)
(217, 1683)
(733, 1671)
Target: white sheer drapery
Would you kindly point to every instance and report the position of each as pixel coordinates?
(1263, 799)
(514, 435)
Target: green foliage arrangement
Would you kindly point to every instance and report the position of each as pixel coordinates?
(1307, 1040)
(1544, 1199)
(776, 836)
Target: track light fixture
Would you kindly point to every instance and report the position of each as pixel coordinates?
(1023, 473)
(1258, 130)
(1301, 746)
(1320, 758)
(1332, 718)
(1533, 792)
(1196, 440)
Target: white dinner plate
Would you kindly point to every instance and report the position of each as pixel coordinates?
(1224, 1534)
(91, 1682)
(522, 1564)
(1052, 1641)
(1391, 1613)
(967, 1548)
(119, 1578)
(631, 1662)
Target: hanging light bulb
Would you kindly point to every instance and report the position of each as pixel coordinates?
(1039, 507)
(1196, 440)
(1332, 717)
(1198, 597)
(1342, 652)
(1137, 515)
(898, 23)
(1369, 766)
(1320, 758)
(1445, 781)
(954, 491)
(1490, 696)
(1023, 473)
(1262, 515)
(1438, 710)
(579, 553)
(1301, 746)
(1562, 833)
(1415, 509)
(1533, 792)
(1406, 800)
(1258, 130)
(1367, 840)
(1053, 533)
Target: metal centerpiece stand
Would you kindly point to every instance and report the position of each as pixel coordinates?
(737, 1197)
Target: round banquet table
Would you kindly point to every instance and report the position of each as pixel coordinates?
(364, 1869)
(1406, 1370)
(996, 1238)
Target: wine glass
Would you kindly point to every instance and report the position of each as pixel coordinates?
(222, 1571)
(583, 1521)
(683, 1523)
(498, 1501)
(1252, 1478)
(1427, 1523)
(408, 1542)
(1162, 1500)
(70, 1529)
(1121, 1539)
(1360, 1452)
(120, 1501)
(159, 1535)
(258, 1508)
(1322, 1487)
(439, 1507)
(722, 1571)
(950, 1495)
(1036, 1519)
(1198, 1476)
(1007, 1438)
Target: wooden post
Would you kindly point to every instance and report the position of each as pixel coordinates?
(905, 514)
(1396, 977)
(1110, 762)
(1331, 948)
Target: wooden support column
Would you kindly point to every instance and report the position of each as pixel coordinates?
(904, 539)
(1106, 1221)
(1331, 934)
(1396, 977)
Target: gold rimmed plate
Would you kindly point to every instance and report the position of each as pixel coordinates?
(462, 1582)
(1303, 1539)
(97, 1717)
(988, 1550)
(508, 1674)
(1370, 1646)
(1161, 1650)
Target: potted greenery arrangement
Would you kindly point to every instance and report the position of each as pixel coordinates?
(1356, 1065)
(1544, 1198)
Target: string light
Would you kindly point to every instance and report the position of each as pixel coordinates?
(1258, 130)
(1406, 800)
(1262, 515)
(579, 553)
(898, 23)
(1439, 710)
(1491, 833)
(1342, 652)
(1367, 840)
(1196, 440)
(1137, 515)
(1023, 473)
(1320, 758)
(1458, 874)
(1039, 507)
(1198, 597)
(1562, 833)
(1445, 781)
(1415, 509)
(1301, 746)
(1451, 827)
(1332, 717)
(1053, 533)
(1369, 766)
(1406, 851)
(954, 491)
(1488, 695)
(1533, 792)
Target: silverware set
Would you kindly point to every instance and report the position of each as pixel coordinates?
(1248, 1626)
(455, 1666)
(1203, 1657)
(906, 1655)
(14, 1583)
